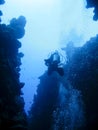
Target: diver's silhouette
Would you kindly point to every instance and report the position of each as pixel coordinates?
(53, 63)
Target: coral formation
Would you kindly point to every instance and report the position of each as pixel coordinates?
(94, 4)
(12, 114)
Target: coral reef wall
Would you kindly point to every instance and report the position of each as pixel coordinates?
(2, 1)
(82, 73)
(93, 3)
(12, 114)
(45, 102)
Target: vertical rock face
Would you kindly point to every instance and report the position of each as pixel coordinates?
(2, 1)
(82, 73)
(12, 114)
(44, 103)
(93, 3)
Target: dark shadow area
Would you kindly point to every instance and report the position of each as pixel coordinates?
(12, 114)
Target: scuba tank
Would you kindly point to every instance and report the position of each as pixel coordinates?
(56, 57)
(53, 63)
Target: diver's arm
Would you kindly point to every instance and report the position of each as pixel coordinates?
(46, 62)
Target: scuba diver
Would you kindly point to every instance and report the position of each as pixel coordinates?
(53, 63)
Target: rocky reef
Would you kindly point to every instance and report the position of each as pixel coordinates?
(93, 4)
(45, 102)
(82, 73)
(12, 114)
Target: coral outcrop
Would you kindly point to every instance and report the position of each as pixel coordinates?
(12, 114)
